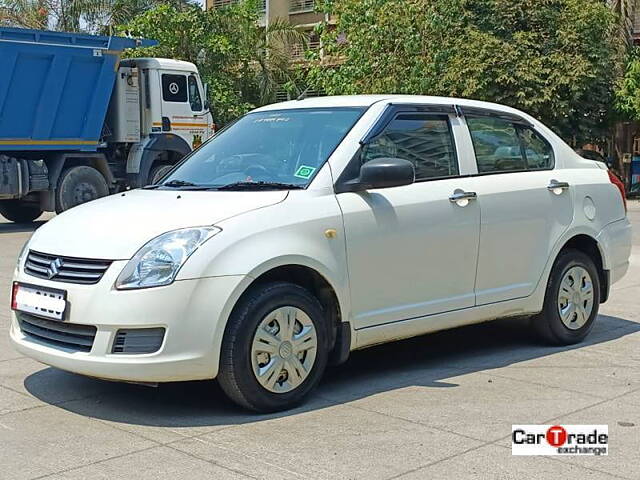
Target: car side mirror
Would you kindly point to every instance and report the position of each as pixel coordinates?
(380, 173)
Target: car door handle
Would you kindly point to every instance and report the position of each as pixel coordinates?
(555, 185)
(461, 195)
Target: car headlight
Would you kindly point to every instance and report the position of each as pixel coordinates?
(158, 262)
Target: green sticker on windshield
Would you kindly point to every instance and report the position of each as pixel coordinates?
(304, 172)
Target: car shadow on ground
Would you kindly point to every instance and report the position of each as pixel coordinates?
(426, 361)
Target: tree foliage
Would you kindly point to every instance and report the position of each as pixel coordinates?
(628, 93)
(556, 59)
(90, 16)
(242, 63)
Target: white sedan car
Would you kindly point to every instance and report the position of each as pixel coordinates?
(312, 228)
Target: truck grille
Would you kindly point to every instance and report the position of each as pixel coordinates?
(65, 269)
(58, 334)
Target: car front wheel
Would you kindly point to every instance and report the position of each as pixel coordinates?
(572, 300)
(275, 349)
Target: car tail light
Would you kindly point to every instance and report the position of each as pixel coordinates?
(618, 183)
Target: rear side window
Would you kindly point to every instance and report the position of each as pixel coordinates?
(497, 145)
(538, 152)
(502, 146)
(424, 140)
(174, 88)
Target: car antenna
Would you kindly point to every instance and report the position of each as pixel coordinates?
(303, 95)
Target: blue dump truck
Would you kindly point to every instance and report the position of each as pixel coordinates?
(77, 122)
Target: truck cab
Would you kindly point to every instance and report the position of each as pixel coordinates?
(159, 107)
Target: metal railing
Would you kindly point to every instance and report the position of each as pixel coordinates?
(296, 6)
(262, 5)
(223, 3)
(298, 49)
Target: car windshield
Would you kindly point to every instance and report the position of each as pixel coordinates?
(281, 149)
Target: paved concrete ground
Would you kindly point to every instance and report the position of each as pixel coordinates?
(439, 406)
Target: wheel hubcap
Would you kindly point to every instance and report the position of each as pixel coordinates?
(575, 299)
(283, 350)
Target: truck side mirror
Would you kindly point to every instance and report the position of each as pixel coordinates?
(206, 97)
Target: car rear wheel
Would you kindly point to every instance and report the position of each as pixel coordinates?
(572, 300)
(79, 184)
(19, 211)
(274, 350)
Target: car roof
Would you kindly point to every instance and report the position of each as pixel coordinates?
(368, 100)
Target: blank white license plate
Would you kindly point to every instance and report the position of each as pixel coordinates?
(44, 302)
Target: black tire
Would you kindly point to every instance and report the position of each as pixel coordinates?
(236, 376)
(548, 323)
(79, 184)
(19, 211)
(158, 171)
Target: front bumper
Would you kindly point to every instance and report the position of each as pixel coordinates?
(192, 312)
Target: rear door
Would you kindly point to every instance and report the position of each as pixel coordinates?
(522, 214)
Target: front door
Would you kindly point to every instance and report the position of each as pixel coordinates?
(412, 250)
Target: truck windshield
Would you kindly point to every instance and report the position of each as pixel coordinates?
(281, 149)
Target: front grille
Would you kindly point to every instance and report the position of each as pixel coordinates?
(58, 334)
(65, 269)
(138, 340)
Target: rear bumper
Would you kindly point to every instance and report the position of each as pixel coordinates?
(192, 312)
(615, 243)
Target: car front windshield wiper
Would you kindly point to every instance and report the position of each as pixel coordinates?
(184, 185)
(260, 186)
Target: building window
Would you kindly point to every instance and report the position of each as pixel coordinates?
(301, 6)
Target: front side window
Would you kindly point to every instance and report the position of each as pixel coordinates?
(424, 140)
(174, 88)
(276, 148)
(496, 144)
(194, 94)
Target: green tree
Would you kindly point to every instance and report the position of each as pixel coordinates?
(556, 59)
(628, 92)
(91, 16)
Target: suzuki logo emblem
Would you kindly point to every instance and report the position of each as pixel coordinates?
(54, 268)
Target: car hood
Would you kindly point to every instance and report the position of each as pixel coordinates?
(116, 227)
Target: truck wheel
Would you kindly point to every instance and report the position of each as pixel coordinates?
(18, 211)
(274, 349)
(157, 172)
(79, 184)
